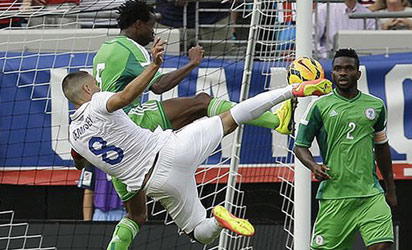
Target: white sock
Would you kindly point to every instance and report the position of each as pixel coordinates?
(207, 231)
(254, 107)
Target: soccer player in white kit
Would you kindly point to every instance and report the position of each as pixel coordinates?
(163, 163)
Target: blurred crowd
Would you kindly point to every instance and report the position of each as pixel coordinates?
(334, 17)
(218, 26)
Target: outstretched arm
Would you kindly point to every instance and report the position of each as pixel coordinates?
(137, 86)
(306, 157)
(170, 80)
(384, 161)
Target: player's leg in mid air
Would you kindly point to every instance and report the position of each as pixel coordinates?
(174, 186)
(172, 182)
(255, 106)
(184, 110)
(151, 115)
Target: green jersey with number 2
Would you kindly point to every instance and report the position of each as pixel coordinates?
(345, 130)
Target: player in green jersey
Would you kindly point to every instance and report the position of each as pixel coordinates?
(122, 59)
(119, 60)
(350, 128)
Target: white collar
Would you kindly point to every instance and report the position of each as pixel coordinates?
(79, 111)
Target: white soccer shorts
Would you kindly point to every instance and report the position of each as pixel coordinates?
(173, 183)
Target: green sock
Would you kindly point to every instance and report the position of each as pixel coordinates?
(267, 120)
(123, 234)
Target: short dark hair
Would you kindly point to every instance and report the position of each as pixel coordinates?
(347, 53)
(73, 76)
(72, 83)
(133, 10)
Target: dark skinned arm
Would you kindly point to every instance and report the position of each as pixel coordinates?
(306, 157)
(384, 161)
(170, 80)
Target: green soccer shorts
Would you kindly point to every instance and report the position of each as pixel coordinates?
(149, 115)
(338, 220)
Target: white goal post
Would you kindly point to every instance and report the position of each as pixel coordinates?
(302, 194)
(275, 53)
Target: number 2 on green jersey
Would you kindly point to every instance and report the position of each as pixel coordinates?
(352, 127)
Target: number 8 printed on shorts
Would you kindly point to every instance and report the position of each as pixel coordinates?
(104, 149)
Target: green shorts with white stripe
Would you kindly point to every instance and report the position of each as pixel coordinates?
(149, 115)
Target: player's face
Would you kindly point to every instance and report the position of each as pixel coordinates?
(345, 73)
(146, 31)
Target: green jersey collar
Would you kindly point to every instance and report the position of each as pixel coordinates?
(120, 37)
(346, 99)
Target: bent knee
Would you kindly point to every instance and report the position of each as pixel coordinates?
(202, 99)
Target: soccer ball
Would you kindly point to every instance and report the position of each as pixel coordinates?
(304, 69)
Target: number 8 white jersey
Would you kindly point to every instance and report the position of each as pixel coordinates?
(113, 143)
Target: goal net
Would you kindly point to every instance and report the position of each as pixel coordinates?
(275, 49)
(16, 235)
(276, 24)
(247, 52)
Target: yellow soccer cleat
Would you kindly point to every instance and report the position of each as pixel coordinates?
(316, 87)
(233, 223)
(285, 114)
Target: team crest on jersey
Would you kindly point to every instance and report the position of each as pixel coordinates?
(370, 113)
(319, 240)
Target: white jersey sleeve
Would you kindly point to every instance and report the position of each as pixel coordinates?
(99, 102)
